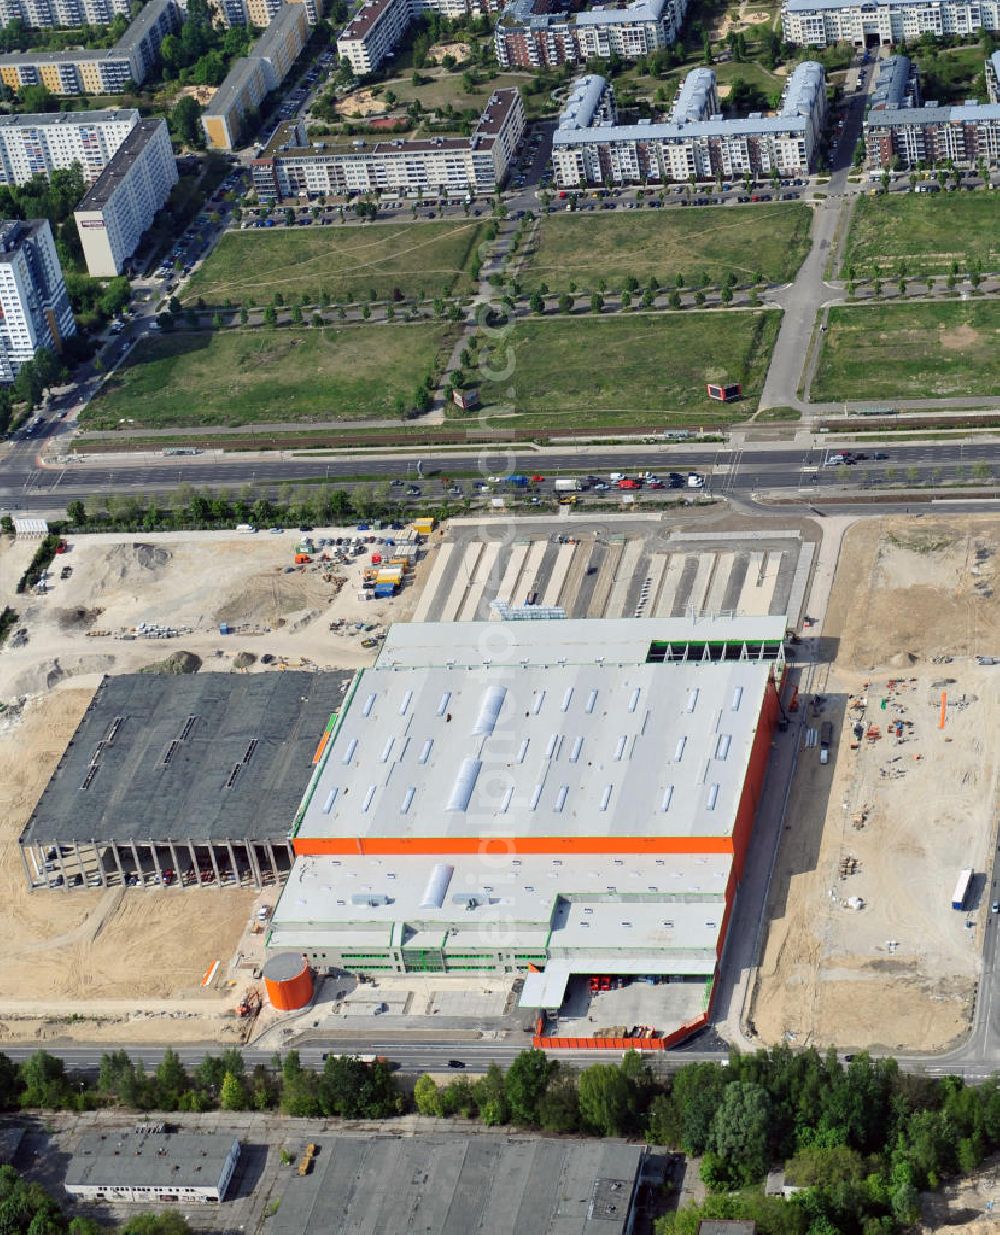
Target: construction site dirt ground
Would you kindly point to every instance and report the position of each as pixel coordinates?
(86, 955)
(863, 948)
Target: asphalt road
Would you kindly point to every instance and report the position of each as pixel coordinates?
(412, 1058)
(742, 472)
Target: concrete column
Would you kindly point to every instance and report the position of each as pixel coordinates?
(232, 862)
(254, 864)
(174, 860)
(291, 855)
(99, 862)
(79, 862)
(118, 862)
(215, 864)
(270, 857)
(194, 863)
(138, 866)
(156, 864)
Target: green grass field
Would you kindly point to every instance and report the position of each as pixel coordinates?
(928, 231)
(910, 351)
(345, 262)
(584, 248)
(635, 367)
(444, 88)
(244, 376)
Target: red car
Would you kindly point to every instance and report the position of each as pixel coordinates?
(537, 480)
(629, 484)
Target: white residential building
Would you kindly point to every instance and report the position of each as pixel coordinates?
(35, 145)
(120, 206)
(475, 164)
(34, 306)
(530, 34)
(373, 33)
(818, 23)
(590, 147)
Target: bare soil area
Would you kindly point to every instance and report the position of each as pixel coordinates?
(128, 964)
(188, 582)
(863, 947)
(76, 948)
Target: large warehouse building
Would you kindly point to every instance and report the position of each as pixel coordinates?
(181, 781)
(550, 798)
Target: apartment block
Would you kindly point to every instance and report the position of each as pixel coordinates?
(123, 202)
(866, 23)
(252, 77)
(105, 71)
(43, 14)
(932, 136)
(590, 147)
(476, 164)
(899, 132)
(34, 306)
(261, 13)
(376, 29)
(529, 34)
(36, 145)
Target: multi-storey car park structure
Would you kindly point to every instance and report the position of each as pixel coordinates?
(184, 781)
(375, 30)
(549, 798)
(34, 305)
(536, 33)
(252, 77)
(287, 167)
(899, 132)
(118, 208)
(33, 145)
(106, 71)
(590, 147)
(875, 23)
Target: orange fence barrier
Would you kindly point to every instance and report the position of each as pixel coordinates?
(621, 1044)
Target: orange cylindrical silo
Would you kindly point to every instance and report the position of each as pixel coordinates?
(288, 980)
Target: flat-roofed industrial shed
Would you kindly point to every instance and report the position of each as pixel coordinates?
(181, 780)
(455, 1184)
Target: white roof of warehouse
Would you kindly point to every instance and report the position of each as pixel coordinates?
(570, 750)
(570, 641)
(641, 914)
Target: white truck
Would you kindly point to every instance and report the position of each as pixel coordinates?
(570, 485)
(246, 529)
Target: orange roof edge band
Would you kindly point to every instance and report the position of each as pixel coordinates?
(316, 846)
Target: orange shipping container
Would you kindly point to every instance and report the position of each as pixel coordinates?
(302, 558)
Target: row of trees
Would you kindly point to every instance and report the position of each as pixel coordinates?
(184, 508)
(860, 1141)
(346, 1087)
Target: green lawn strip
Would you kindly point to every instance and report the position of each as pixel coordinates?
(344, 263)
(584, 248)
(636, 370)
(261, 376)
(926, 231)
(910, 351)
